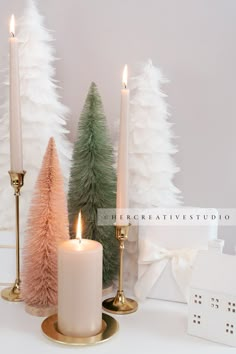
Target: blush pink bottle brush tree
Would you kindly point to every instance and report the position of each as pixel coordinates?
(47, 226)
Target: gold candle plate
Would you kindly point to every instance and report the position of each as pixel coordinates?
(109, 327)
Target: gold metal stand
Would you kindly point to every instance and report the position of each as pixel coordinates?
(120, 304)
(14, 293)
(109, 327)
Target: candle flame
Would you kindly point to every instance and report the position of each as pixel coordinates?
(125, 76)
(12, 25)
(79, 228)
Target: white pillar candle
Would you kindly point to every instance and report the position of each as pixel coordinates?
(80, 287)
(15, 114)
(122, 167)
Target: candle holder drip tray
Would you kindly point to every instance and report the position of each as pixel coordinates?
(109, 327)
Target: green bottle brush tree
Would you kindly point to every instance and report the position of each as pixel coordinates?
(92, 182)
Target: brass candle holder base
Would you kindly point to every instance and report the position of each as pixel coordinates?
(12, 294)
(109, 327)
(120, 304)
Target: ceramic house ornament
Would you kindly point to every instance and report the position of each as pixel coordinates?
(212, 306)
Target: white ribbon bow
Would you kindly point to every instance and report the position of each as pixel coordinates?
(157, 259)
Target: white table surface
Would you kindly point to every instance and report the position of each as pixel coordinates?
(157, 327)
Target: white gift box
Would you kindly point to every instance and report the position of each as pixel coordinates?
(170, 252)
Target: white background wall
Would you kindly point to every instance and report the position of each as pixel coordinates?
(193, 41)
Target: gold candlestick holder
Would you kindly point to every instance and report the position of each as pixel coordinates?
(120, 304)
(14, 293)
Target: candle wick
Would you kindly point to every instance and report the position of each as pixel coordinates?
(125, 86)
(12, 34)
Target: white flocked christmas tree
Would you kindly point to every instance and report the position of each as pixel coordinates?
(151, 164)
(43, 115)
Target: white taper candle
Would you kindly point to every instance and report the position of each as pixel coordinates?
(15, 112)
(122, 167)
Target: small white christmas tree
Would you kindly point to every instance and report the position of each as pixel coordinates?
(152, 167)
(43, 115)
(151, 164)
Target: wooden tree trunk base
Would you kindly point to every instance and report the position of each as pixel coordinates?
(41, 311)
